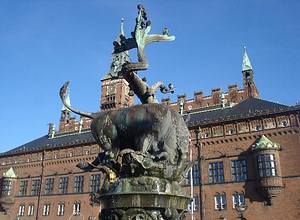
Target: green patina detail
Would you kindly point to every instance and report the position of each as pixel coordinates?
(264, 143)
(10, 173)
(246, 61)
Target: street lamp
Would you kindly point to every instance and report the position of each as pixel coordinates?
(241, 209)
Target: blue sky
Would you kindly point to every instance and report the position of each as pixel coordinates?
(44, 43)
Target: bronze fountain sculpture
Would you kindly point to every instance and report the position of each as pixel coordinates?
(144, 146)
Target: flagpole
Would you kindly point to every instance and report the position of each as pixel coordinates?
(191, 181)
(191, 160)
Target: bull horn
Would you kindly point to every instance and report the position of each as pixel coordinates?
(63, 94)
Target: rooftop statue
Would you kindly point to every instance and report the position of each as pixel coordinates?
(144, 144)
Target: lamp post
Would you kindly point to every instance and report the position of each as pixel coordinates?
(241, 209)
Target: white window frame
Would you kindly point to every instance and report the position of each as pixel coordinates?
(46, 209)
(266, 165)
(61, 209)
(194, 204)
(30, 210)
(76, 208)
(6, 187)
(240, 199)
(223, 203)
(21, 210)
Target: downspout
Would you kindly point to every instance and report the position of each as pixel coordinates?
(40, 188)
(201, 185)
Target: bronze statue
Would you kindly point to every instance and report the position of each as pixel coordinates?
(144, 146)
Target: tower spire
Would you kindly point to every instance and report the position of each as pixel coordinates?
(246, 61)
(112, 82)
(248, 79)
(118, 59)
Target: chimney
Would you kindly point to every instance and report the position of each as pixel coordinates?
(216, 96)
(233, 93)
(51, 130)
(180, 102)
(198, 96)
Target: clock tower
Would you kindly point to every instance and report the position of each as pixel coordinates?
(115, 89)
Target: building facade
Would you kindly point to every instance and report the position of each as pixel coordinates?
(245, 152)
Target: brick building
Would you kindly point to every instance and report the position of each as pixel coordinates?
(245, 151)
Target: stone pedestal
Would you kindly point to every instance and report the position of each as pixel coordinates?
(143, 198)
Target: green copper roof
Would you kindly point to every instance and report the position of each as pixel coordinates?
(10, 173)
(246, 61)
(264, 143)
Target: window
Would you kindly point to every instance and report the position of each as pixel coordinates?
(78, 184)
(6, 187)
(220, 201)
(76, 208)
(30, 210)
(238, 170)
(61, 209)
(35, 187)
(49, 186)
(95, 183)
(196, 174)
(63, 185)
(46, 209)
(23, 187)
(238, 199)
(216, 172)
(266, 165)
(194, 203)
(21, 210)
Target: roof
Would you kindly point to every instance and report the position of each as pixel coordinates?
(246, 61)
(44, 142)
(263, 143)
(10, 173)
(251, 107)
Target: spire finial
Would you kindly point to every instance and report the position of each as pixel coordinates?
(246, 61)
(122, 26)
